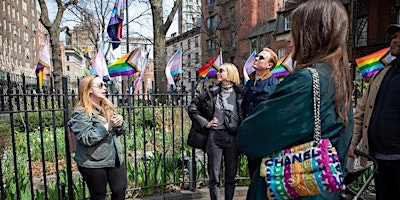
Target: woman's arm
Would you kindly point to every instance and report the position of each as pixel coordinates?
(88, 131)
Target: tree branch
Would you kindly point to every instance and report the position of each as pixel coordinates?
(170, 18)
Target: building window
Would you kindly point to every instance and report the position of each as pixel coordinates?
(189, 60)
(281, 52)
(196, 41)
(287, 23)
(189, 43)
(362, 34)
(210, 2)
(212, 23)
(67, 67)
(253, 45)
(67, 58)
(24, 6)
(233, 39)
(398, 16)
(232, 11)
(210, 45)
(26, 36)
(196, 59)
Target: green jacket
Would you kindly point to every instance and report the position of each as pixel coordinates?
(96, 147)
(287, 119)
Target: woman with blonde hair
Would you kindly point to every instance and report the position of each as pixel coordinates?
(208, 112)
(98, 154)
(319, 34)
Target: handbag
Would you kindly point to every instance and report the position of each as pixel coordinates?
(197, 139)
(308, 169)
(231, 120)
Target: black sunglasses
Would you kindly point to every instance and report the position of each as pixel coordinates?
(100, 85)
(260, 57)
(221, 70)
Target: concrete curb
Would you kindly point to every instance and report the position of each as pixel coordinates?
(200, 194)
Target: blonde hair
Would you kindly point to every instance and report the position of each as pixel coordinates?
(274, 57)
(233, 73)
(85, 102)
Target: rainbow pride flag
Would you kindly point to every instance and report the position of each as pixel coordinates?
(372, 63)
(86, 52)
(210, 69)
(248, 66)
(126, 65)
(44, 61)
(283, 67)
(174, 67)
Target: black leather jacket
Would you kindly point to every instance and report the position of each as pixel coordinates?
(201, 109)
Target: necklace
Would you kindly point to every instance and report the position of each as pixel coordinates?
(227, 87)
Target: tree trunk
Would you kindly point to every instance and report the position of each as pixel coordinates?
(160, 31)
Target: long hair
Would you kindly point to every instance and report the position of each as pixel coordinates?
(319, 29)
(86, 103)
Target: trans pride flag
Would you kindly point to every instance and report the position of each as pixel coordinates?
(99, 65)
(372, 63)
(248, 66)
(283, 67)
(44, 61)
(126, 65)
(114, 27)
(174, 67)
(210, 69)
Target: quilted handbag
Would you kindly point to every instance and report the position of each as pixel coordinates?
(308, 169)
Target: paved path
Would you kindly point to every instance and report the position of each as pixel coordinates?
(200, 194)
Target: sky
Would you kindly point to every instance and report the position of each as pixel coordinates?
(143, 25)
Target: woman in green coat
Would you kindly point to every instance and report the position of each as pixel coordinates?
(319, 39)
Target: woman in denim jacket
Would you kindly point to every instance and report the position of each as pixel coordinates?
(98, 154)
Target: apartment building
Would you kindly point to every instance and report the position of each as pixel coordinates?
(190, 44)
(189, 15)
(21, 40)
(228, 25)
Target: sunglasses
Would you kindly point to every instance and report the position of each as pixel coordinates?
(260, 57)
(100, 85)
(221, 70)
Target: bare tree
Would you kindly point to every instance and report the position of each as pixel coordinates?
(160, 31)
(54, 28)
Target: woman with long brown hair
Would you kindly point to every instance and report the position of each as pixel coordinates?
(319, 30)
(98, 154)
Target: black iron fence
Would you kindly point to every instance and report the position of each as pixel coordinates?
(36, 162)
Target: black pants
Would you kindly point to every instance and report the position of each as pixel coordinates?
(97, 179)
(254, 166)
(220, 145)
(387, 179)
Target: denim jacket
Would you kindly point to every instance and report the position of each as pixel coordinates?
(258, 92)
(96, 147)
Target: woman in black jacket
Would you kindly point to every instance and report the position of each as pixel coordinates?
(207, 112)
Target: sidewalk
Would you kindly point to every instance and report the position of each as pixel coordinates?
(200, 194)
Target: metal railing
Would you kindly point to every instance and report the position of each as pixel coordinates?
(36, 162)
(36, 159)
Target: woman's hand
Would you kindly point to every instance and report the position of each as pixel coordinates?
(351, 150)
(116, 121)
(213, 123)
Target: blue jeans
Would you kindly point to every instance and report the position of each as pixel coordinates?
(220, 145)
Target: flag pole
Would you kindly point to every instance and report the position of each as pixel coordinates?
(182, 70)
